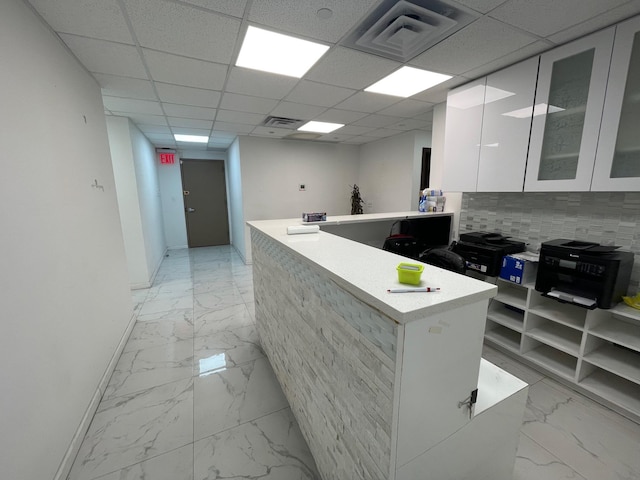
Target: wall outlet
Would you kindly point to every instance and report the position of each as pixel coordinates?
(302, 187)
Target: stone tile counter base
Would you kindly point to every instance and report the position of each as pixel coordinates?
(337, 371)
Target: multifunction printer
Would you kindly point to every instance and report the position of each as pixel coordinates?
(583, 273)
(483, 251)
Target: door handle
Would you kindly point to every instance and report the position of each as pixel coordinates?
(190, 210)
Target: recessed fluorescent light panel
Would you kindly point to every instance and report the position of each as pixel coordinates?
(191, 138)
(407, 81)
(276, 53)
(320, 127)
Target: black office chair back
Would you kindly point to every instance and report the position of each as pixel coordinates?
(444, 258)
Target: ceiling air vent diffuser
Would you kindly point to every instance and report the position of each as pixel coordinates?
(400, 30)
(282, 122)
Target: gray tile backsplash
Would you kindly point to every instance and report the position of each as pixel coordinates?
(601, 217)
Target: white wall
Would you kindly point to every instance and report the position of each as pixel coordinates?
(136, 174)
(272, 171)
(389, 176)
(64, 287)
(146, 165)
(175, 227)
(234, 192)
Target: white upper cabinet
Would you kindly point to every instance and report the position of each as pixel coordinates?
(572, 82)
(506, 124)
(618, 158)
(463, 128)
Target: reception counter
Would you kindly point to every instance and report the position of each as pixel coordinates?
(379, 382)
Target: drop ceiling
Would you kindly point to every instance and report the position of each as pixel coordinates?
(168, 65)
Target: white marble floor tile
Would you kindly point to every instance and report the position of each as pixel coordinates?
(232, 396)
(175, 287)
(155, 333)
(535, 463)
(583, 436)
(166, 305)
(269, 448)
(133, 428)
(174, 465)
(216, 300)
(228, 348)
(142, 369)
(210, 322)
(185, 314)
(214, 284)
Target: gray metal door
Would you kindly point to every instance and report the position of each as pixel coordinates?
(205, 202)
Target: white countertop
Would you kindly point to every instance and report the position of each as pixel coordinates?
(368, 272)
(371, 217)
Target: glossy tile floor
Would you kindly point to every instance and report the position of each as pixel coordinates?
(193, 396)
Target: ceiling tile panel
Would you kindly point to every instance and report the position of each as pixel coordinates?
(222, 136)
(360, 140)
(233, 127)
(140, 119)
(154, 129)
(118, 104)
(376, 121)
(187, 111)
(301, 17)
(481, 42)
(297, 110)
(335, 137)
(351, 69)
(259, 84)
(546, 17)
(185, 71)
(407, 108)
(509, 59)
(234, 8)
(101, 56)
(410, 124)
(313, 93)
(183, 30)
(115, 86)
(187, 96)
(162, 137)
(600, 21)
(229, 116)
(190, 122)
(367, 102)
(482, 6)
(247, 103)
(382, 132)
(100, 19)
(334, 115)
(354, 130)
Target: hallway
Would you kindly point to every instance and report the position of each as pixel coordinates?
(193, 396)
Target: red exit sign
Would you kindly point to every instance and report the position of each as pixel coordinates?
(167, 158)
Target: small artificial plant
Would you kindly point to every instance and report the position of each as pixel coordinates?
(356, 201)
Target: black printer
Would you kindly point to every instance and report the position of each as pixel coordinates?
(583, 273)
(483, 251)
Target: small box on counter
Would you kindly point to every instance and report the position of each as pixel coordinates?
(520, 268)
(314, 217)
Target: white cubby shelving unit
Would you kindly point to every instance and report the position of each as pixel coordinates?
(596, 352)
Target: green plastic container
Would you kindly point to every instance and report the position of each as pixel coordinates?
(410, 273)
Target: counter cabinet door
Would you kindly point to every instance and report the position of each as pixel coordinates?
(506, 124)
(463, 128)
(570, 95)
(618, 158)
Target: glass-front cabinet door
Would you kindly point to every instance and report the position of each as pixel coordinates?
(572, 82)
(618, 157)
